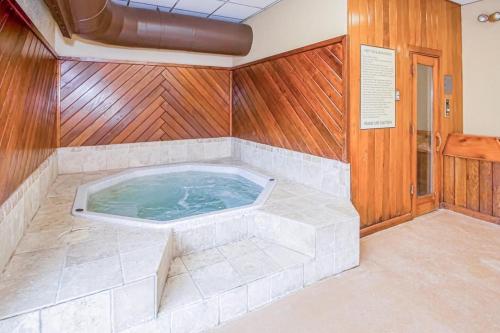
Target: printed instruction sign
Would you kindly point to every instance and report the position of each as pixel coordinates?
(378, 87)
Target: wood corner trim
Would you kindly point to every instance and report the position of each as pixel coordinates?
(295, 51)
(486, 148)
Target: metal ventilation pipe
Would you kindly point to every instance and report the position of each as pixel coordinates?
(113, 23)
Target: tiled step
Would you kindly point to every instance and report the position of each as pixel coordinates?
(64, 262)
(69, 273)
(207, 288)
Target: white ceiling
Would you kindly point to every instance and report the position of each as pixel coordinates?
(464, 2)
(225, 10)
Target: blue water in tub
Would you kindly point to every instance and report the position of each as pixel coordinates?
(172, 196)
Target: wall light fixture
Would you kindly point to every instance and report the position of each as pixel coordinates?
(483, 18)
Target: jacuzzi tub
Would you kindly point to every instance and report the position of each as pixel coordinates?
(165, 195)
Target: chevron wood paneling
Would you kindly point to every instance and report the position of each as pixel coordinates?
(110, 103)
(295, 100)
(28, 101)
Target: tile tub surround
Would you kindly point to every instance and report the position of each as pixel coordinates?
(301, 235)
(121, 156)
(324, 174)
(18, 210)
(62, 262)
(327, 175)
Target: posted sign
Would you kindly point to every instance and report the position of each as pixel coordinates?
(378, 87)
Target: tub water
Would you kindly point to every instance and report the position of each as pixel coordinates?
(172, 196)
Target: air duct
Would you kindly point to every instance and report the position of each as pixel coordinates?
(118, 24)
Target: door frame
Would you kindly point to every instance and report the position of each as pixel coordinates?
(428, 203)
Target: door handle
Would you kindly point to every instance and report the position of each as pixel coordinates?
(439, 142)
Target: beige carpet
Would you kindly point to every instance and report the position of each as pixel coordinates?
(438, 273)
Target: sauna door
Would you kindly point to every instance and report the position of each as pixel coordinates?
(427, 141)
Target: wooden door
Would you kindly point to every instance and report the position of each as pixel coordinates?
(426, 137)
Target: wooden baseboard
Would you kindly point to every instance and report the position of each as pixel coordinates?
(471, 213)
(386, 224)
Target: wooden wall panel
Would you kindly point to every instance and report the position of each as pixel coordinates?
(449, 179)
(381, 158)
(110, 103)
(472, 185)
(294, 100)
(496, 190)
(486, 188)
(28, 101)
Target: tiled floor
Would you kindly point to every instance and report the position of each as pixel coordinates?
(62, 258)
(439, 273)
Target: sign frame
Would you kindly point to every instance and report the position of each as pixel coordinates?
(392, 117)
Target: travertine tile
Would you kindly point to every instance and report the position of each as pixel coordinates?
(287, 281)
(201, 259)
(196, 318)
(141, 263)
(318, 269)
(262, 243)
(35, 263)
(89, 314)
(325, 241)
(217, 278)
(254, 265)
(159, 325)
(259, 293)
(43, 240)
(134, 245)
(231, 230)
(233, 304)
(133, 304)
(27, 293)
(179, 291)
(285, 257)
(91, 277)
(238, 249)
(177, 267)
(88, 251)
(298, 236)
(131, 239)
(26, 323)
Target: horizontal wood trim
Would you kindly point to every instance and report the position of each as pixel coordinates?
(306, 48)
(28, 101)
(471, 213)
(296, 101)
(386, 224)
(473, 147)
(110, 103)
(425, 51)
(133, 62)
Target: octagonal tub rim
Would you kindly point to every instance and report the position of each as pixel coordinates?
(79, 208)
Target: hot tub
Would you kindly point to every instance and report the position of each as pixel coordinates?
(163, 195)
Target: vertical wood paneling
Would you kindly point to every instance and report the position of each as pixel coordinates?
(460, 182)
(476, 176)
(381, 158)
(28, 102)
(110, 103)
(473, 185)
(449, 180)
(486, 187)
(496, 189)
(294, 100)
